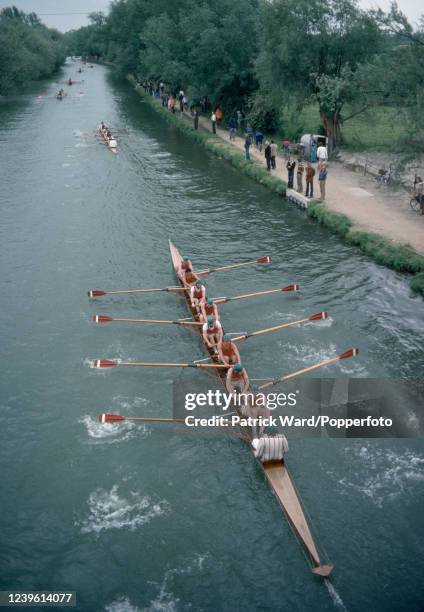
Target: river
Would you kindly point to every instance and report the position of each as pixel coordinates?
(138, 517)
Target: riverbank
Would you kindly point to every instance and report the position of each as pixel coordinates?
(354, 209)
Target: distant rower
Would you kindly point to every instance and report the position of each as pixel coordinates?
(237, 379)
(212, 332)
(228, 351)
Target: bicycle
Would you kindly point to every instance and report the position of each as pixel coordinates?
(415, 203)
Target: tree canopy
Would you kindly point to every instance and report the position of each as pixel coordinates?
(270, 57)
(28, 49)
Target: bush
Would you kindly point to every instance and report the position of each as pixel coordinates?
(261, 113)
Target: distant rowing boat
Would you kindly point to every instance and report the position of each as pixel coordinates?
(111, 143)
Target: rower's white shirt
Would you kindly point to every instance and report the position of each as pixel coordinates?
(322, 152)
(192, 292)
(216, 324)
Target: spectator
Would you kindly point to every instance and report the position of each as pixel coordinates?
(322, 177)
(196, 119)
(259, 139)
(219, 114)
(291, 165)
(213, 120)
(267, 153)
(286, 148)
(299, 175)
(247, 144)
(273, 154)
(309, 176)
(313, 150)
(233, 127)
(239, 119)
(322, 155)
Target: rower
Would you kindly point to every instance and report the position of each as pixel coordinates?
(184, 265)
(228, 351)
(254, 408)
(237, 379)
(69, 81)
(212, 332)
(102, 126)
(209, 309)
(197, 293)
(108, 133)
(189, 278)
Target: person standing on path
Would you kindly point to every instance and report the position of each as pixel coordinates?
(322, 177)
(286, 148)
(213, 120)
(291, 165)
(313, 150)
(258, 140)
(247, 144)
(196, 119)
(232, 127)
(239, 120)
(267, 153)
(273, 154)
(310, 173)
(322, 155)
(299, 175)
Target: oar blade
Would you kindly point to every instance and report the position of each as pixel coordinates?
(318, 316)
(102, 319)
(96, 293)
(291, 288)
(350, 353)
(265, 259)
(110, 418)
(100, 364)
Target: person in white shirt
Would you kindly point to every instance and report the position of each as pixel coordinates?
(212, 332)
(213, 120)
(322, 155)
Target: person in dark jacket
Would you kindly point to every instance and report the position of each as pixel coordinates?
(309, 177)
(291, 165)
(267, 153)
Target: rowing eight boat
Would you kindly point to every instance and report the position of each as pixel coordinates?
(276, 472)
(109, 142)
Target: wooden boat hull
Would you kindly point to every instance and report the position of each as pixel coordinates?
(276, 472)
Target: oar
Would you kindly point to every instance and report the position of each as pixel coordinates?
(107, 319)
(318, 316)
(221, 300)
(108, 363)
(265, 259)
(116, 418)
(350, 353)
(98, 293)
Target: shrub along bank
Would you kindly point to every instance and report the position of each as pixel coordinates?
(401, 257)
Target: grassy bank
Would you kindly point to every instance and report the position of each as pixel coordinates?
(401, 258)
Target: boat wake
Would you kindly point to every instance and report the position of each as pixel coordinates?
(335, 597)
(389, 472)
(108, 510)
